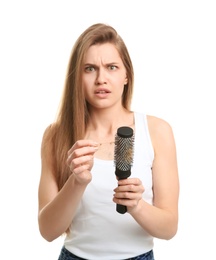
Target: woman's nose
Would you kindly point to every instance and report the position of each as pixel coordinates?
(101, 77)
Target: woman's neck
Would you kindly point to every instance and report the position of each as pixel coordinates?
(102, 129)
(108, 122)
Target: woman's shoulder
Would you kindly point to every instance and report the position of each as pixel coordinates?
(49, 131)
(159, 128)
(48, 135)
(154, 121)
(157, 121)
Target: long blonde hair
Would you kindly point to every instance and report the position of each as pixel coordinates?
(73, 114)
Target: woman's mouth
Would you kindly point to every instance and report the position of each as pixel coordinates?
(102, 93)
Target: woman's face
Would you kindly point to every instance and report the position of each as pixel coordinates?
(103, 76)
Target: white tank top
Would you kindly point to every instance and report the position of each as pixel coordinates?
(98, 232)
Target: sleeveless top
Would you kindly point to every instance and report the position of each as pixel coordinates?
(98, 231)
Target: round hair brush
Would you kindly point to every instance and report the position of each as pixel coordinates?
(123, 156)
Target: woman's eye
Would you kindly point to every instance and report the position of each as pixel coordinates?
(112, 67)
(89, 69)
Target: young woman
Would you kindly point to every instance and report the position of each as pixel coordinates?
(78, 189)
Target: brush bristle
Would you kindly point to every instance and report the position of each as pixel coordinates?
(124, 149)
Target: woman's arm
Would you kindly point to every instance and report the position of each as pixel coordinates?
(160, 219)
(57, 208)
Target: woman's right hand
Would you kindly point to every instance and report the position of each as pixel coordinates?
(80, 160)
(58, 207)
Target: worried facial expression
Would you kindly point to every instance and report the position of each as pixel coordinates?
(103, 76)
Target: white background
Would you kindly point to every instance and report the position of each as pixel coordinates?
(173, 48)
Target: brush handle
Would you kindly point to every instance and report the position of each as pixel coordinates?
(122, 175)
(121, 209)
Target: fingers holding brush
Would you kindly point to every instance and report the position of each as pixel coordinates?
(129, 192)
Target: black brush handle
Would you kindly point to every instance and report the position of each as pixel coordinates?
(122, 175)
(121, 209)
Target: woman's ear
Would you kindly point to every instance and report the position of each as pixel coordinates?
(126, 81)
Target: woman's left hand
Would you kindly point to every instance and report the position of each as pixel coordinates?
(128, 193)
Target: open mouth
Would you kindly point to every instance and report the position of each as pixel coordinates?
(102, 91)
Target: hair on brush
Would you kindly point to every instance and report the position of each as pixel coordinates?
(124, 151)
